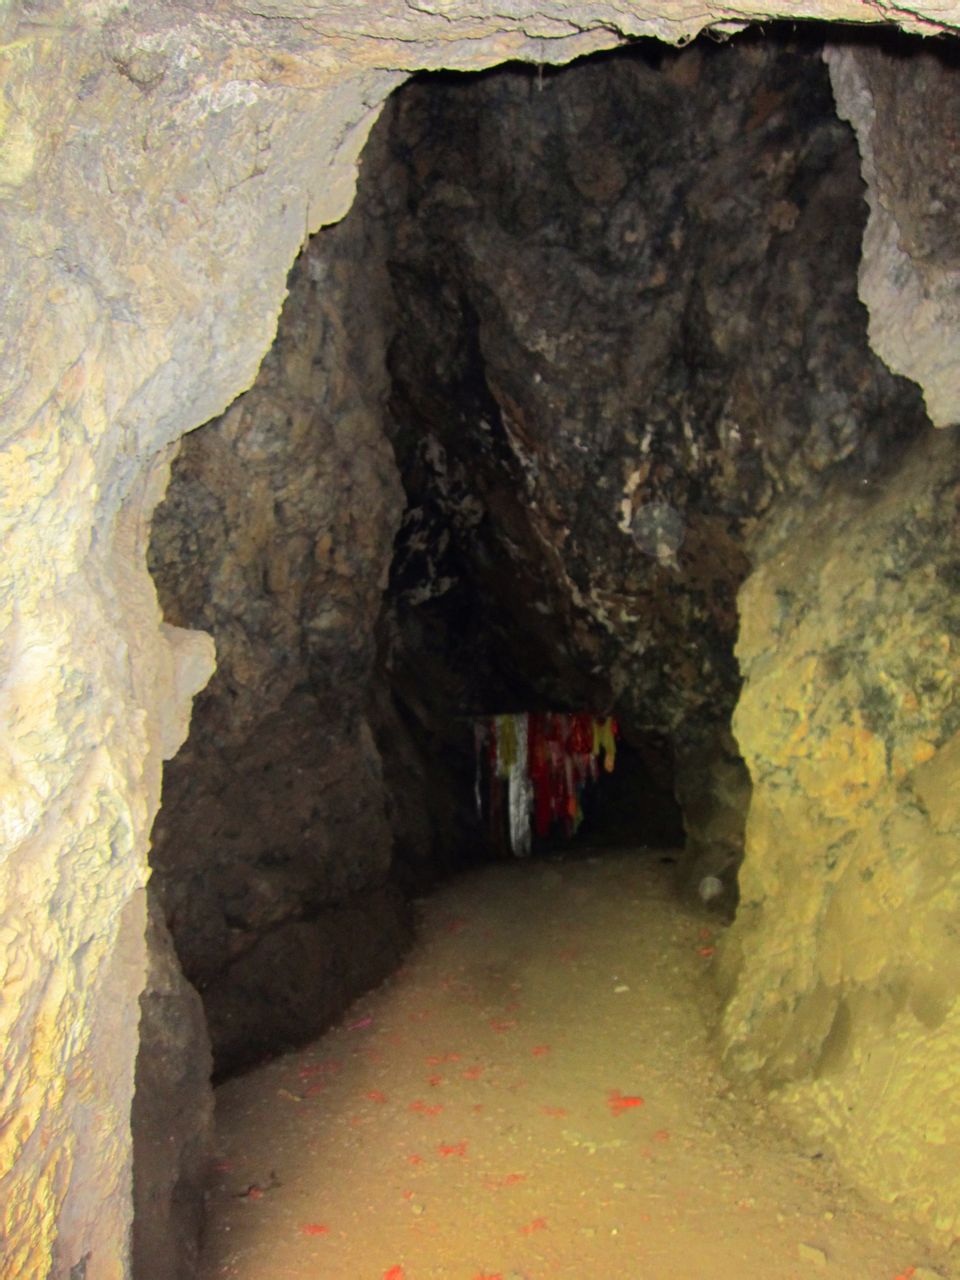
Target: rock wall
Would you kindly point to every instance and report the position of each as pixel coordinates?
(171, 1120)
(847, 994)
(628, 328)
(909, 137)
(276, 537)
(159, 172)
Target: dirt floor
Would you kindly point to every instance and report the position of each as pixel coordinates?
(534, 1096)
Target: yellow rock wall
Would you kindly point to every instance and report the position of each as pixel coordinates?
(844, 954)
(157, 177)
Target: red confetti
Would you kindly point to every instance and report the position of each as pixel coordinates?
(540, 1050)
(376, 1095)
(453, 1149)
(395, 1273)
(555, 1111)
(425, 1109)
(537, 1224)
(619, 1102)
(706, 952)
(254, 1193)
(314, 1229)
(508, 1180)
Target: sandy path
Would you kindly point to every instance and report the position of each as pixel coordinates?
(534, 1096)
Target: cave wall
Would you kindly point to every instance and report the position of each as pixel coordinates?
(628, 329)
(844, 949)
(159, 173)
(275, 537)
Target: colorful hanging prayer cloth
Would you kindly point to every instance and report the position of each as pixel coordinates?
(543, 761)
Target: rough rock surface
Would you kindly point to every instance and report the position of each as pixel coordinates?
(172, 1116)
(627, 328)
(159, 171)
(908, 130)
(845, 950)
(275, 537)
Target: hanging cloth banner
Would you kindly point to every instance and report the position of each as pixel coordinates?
(543, 760)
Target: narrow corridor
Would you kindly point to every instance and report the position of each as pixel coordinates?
(535, 1096)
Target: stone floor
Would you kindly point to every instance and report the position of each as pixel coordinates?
(534, 1096)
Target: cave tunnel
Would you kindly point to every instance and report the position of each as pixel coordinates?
(577, 412)
(585, 357)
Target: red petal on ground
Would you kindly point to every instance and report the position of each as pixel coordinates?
(706, 952)
(618, 1101)
(555, 1111)
(314, 1229)
(425, 1109)
(503, 1024)
(453, 1149)
(414, 1159)
(540, 1050)
(434, 1080)
(508, 1180)
(254, 1193)
(537, 1224)
(473, 1073)
(375, 1095)
(395, 1273)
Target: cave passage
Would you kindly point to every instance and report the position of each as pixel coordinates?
(586, 343)
(574, 411)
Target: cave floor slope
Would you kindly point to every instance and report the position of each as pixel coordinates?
(535, 1095)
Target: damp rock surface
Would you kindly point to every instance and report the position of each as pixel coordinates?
(535, 1095)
